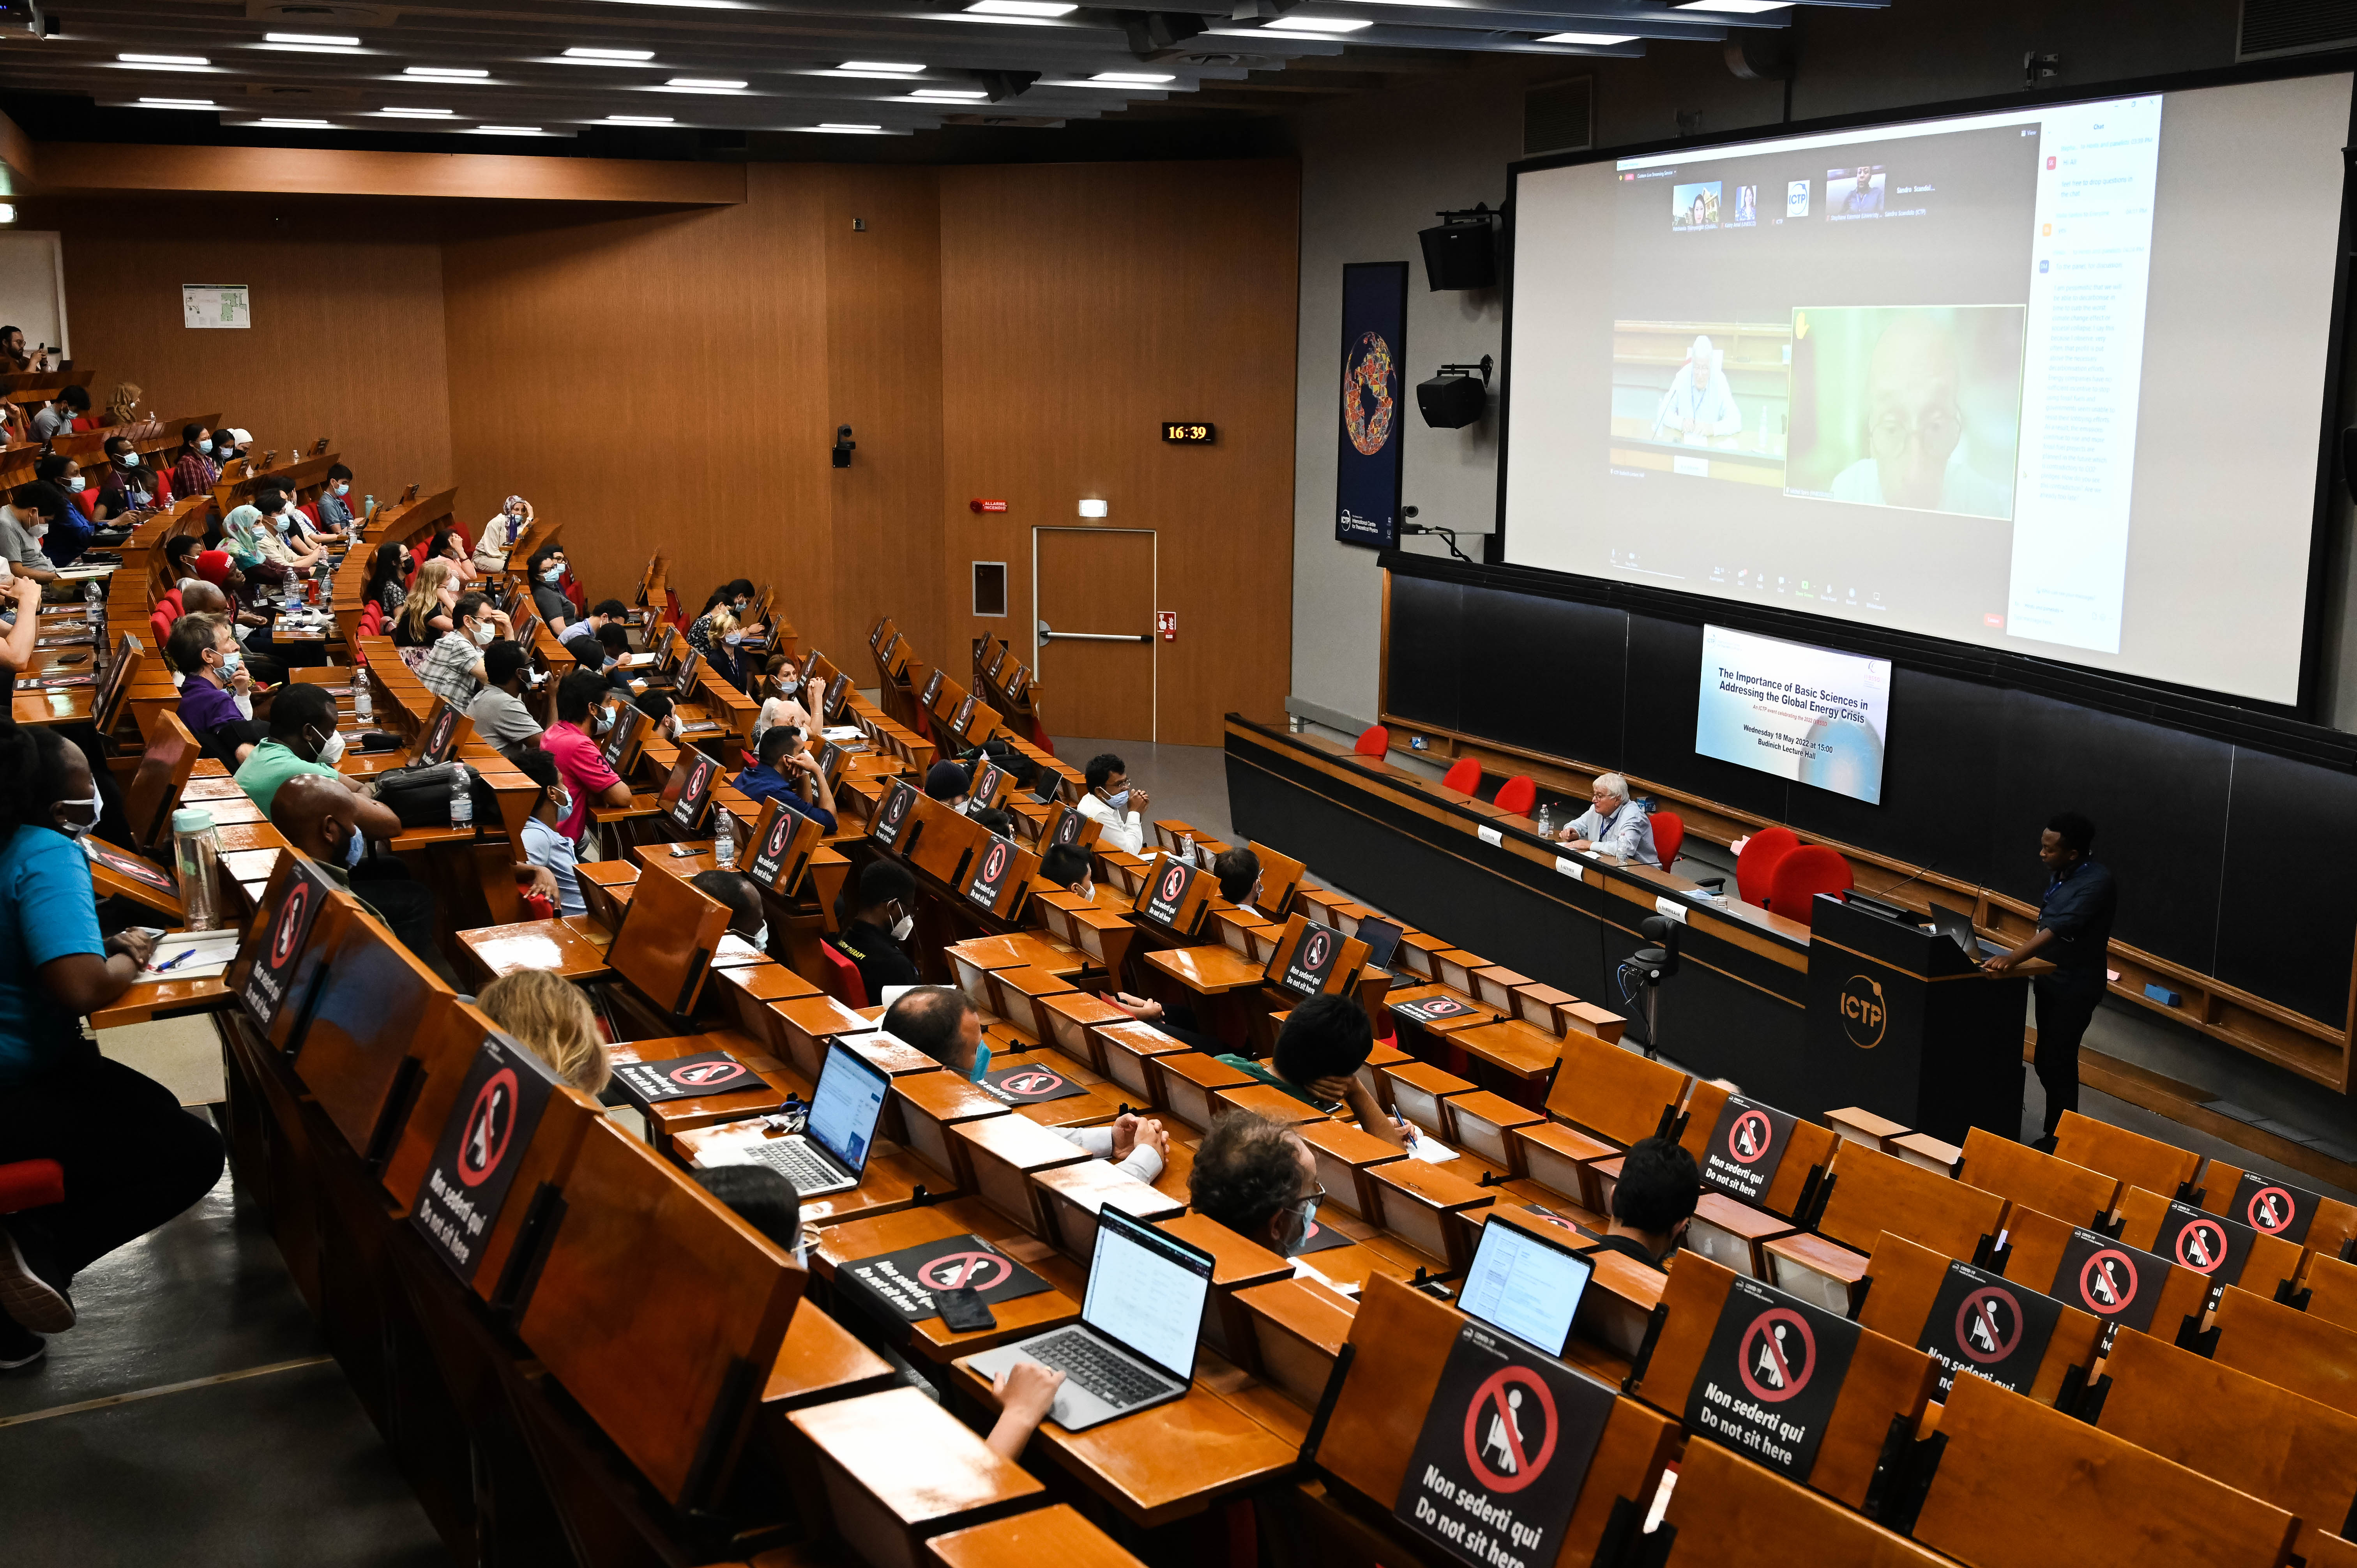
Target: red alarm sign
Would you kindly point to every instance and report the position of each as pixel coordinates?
(1167, 623)
(986, 506)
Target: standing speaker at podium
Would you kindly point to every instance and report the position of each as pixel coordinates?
(2074, 934)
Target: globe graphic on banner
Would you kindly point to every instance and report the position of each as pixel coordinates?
(1368, 403)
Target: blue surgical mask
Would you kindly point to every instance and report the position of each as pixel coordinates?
(551, 575)
(354, 848)
(131, 460)
(206, 448)
(231, 662)
(981, 1061)
(342, 488)
(286, 523)
(1119, 802)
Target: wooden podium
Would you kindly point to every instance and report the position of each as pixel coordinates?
(1903, 1024)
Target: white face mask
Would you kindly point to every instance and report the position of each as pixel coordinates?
(77, 484)
(486, 635)
(93, 805)
(333, 751)
(902, 926)
(762, 938)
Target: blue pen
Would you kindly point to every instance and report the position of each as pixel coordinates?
(176, 958)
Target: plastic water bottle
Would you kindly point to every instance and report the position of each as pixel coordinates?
(723, 840)
(462, 797)
(1546, 821)
(1186, 848)
(363, 705)
(196, 851)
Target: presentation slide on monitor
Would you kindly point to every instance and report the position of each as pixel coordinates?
(2049, 380)
(1815, 715)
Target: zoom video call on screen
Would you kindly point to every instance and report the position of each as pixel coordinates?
(2049, 380)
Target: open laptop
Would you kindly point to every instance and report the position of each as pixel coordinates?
(1957, 927)
(1134, 1344)
(830, 1154)
(1525, 1284)
(1383, 939)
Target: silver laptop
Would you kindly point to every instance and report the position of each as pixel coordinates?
(831, 1151)
(1525, 1284)
(1134, 1344)
(1957, 927)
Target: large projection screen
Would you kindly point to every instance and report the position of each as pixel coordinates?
(2050, 380)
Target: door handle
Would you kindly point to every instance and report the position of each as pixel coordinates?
(1049, 634)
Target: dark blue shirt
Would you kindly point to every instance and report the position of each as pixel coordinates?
(764, 783)
(2077, 908)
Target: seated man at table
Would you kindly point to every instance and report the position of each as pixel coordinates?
(1614, 824)
(582, 638)
(454, 665)
(302, 739)
(216, 693)
(22, 528)
(788, 774)
(941, 1022)
(497, 710)
(949, 782)
(871, 939)
(991, 820)
(748, 916)
(1319, 1051)
(588, 780)
(334, 824)
(1653, 1201)
(1068, 865)
(1258, 1178)
(1239, 874)
(336, 513)
(547, 852)
(1111, 801)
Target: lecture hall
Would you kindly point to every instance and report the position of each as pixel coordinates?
(1296, 784)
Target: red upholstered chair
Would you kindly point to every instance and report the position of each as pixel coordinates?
(1804, 872)
(372, 618)
(1516, 794)
(840, 980)
(1755, 868)
(1669, 832)
(1464, 776)
(1373, 741)
(161, 625)
(31, 1184)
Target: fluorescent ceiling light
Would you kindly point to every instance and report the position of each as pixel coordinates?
(610, 54)
(1589, 38)
(182, 62)
(448, 73)
(417, 113)
(884, 67)
(956, 92)
(330, 38)
(1314, 25)
(1021, 9)
(1739, 7)
(506, 131)
(849, 130)
(704, 84)
(1131, 78)
(311, 49)
(299, 124)
(639, 120)
(178, 103)
(1107, 86)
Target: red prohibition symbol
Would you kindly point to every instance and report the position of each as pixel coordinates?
(1978, 1312)
(2098, 1275)
(1037, 1082)
(1316, 954)
(290, 916)
(1495, 1428)
(1174, 882)
(702, 1075)
(1775, 1349)
(491, 1121)
(1751, 1129)
(2272, 1210)
(2202, 1245)
(993, 864)
(979, 1270)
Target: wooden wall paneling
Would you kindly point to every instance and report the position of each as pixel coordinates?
(679, 353)
(1081, 305)
(339, 171)
(346, 340)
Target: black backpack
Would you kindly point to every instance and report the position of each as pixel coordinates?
(419, 794)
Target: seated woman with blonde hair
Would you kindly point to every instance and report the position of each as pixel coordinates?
(550, 1018)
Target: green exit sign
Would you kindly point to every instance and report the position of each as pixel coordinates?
(1189, 432)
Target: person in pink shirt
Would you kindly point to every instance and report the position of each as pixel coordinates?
(579, 762)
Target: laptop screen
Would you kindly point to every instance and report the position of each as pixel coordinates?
(1382, 937)
(1147, 1290)
(1525, 1284)
(1957, 927)
(845, 1106)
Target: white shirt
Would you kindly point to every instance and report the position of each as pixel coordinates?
(1143, 1162)
(1711, 411)
(1963, 487)
(1119, 833)
(1626, 833)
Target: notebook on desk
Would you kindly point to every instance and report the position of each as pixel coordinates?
(1134, 1344)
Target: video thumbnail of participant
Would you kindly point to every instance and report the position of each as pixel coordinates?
(1854, 192)
(1907, 406)
(1746, 207)
(1704, 399)
(1695, 206)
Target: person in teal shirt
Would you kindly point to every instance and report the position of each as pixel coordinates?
(303, 739)
(131, 1157)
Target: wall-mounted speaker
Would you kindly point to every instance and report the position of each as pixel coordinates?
(1462, 253)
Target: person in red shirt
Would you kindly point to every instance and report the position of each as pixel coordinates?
(578, 760)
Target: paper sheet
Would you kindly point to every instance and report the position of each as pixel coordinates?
(189, 955)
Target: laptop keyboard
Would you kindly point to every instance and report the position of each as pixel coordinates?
(792, 1159)
(1109, 1377)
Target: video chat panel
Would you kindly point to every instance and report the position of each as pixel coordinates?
(1965, 377)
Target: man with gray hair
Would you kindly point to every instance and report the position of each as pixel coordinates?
(1699, 404)
(1614, 824)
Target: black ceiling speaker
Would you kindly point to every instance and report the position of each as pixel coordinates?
(1453, 399)
(1462, 252)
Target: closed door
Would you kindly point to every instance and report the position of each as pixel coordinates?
(1092, 644)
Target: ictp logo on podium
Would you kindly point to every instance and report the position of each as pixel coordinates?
(1864, 1014)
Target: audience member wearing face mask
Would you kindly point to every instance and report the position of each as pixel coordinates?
(334, 504)
(1114, 802)
(1258, 1178)
(874, 937)
(545, 572)
(749, 917)
(788, 774)
(216, 690)
(499, 534)
(131, 1157)
(781, 698)
(499, 710)
(23, 530)
(335, 821)
(551, 865)
(302, 738)
(194, 469)
(454, 666)
(579, 762)
(585, 639)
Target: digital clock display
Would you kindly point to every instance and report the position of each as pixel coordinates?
(1188, 432)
